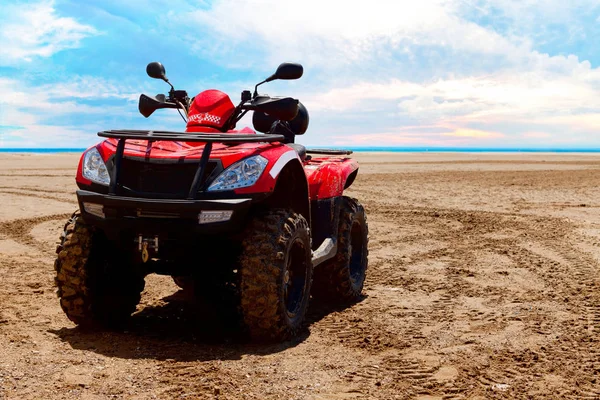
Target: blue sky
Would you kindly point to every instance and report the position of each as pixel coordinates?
(488, 73)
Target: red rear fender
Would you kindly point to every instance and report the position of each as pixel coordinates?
(329, 178)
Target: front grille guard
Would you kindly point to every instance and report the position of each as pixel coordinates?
(153, 136)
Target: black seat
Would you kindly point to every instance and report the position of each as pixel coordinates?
(301, 150)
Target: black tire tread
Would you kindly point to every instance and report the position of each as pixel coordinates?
(77, 286)
(261, 263)
(186, 283)
(332, 283)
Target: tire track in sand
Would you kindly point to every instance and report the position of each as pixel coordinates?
(517, 367)
(20, 230)
(39, 196)
(586, 331)
(37, 190)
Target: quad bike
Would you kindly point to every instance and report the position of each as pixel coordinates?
(254, 215)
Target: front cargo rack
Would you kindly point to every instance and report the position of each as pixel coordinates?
(124, 134)
(190, 136)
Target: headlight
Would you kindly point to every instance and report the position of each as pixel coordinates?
(94, 168)
(241, 174)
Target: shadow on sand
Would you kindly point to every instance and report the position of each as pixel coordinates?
(181, 329)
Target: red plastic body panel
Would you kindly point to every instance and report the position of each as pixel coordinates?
(187, 150)
(276, 155)
(327, 176)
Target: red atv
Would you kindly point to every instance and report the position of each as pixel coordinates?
(254, 215)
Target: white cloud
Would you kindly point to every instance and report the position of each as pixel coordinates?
(45, 136)
(59, 98)
(407, 137)
(378, 58)
(70, 114)
(89, 87)
(523, 93)
(531, 14)
(35, 30)
(531, 99)
(338, 31)
(433, 71)
(27, 111)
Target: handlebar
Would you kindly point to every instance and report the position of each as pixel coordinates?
(281, 108)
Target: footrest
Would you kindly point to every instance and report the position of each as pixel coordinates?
(327, 250)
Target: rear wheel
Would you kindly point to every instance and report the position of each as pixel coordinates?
(276, 275)
(96, 284)
(341, 279)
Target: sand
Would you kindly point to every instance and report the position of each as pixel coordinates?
(483, 282)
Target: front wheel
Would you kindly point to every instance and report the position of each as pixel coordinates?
(276, 275)
(341, 279)
(186, 283)
(96, 283)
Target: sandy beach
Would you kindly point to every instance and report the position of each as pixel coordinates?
(483, 282)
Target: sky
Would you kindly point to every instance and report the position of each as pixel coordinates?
(467, 73)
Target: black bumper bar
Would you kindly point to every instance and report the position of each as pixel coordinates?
(154, 216)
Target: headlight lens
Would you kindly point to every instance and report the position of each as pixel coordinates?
(241, 174)
(94, 168)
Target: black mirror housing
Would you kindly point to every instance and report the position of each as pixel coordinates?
(287, 71)
(157, 71)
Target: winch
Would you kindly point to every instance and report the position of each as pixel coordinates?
(145, 243)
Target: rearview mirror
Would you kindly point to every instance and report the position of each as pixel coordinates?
(157, 71)
(287, 71)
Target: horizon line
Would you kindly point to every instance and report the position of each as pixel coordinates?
(357, 148)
